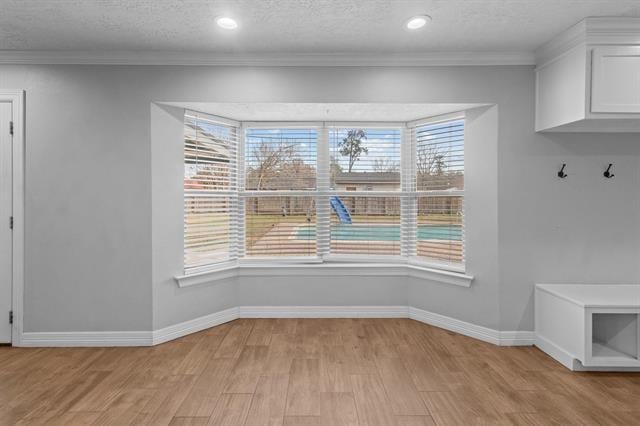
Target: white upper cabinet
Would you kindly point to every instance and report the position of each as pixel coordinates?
(615, 79)
(588, 78)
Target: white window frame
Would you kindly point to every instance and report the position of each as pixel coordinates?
(243, 193)
(411, 171)
(235, 252)
(363, 258)
(408, 194)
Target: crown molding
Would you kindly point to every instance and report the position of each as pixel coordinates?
(50, 57)
(590, 31)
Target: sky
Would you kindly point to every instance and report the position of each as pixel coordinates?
(383, 144)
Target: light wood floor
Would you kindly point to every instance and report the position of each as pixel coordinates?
(309, 372)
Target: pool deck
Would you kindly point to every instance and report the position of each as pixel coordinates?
(284, 238)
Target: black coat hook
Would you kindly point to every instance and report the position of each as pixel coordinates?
(607, 173)
(561, 173)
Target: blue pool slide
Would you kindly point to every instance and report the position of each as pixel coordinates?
(340, 209)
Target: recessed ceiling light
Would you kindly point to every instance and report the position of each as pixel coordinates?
(418, 22)
(226, 23)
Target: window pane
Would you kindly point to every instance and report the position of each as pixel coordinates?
(209, 154)
(440, 156)
(440, 229)
(280, 159)
(209, 179)
(365, 159)
(280, 226)
(365, 225)
(208, 229)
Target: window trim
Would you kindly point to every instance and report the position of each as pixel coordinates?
(412, 265)
(412, 257)
(231, 193)
(389, 269)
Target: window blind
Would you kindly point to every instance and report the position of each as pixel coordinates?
(365, 175)
(280, 226)
(440, 156)
(439, 201)
(210, 190)
(374, 228)
(440, 229)
(280, 159)
(280, 195)
(298, 191)
(364, 159)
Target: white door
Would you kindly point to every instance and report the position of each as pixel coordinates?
(5, 221)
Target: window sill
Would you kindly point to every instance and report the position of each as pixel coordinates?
(439, 275)
(208, 276)
(325, 269)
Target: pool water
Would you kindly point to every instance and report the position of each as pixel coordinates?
(384, 233)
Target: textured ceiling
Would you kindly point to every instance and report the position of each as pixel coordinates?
(294, 26)
(267, 111)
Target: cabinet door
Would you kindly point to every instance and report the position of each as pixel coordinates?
(615, 80)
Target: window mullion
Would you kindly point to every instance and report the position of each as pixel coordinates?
(323, 210)
(240, 201)
(408, 206)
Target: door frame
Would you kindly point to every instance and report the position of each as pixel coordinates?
(16, 97)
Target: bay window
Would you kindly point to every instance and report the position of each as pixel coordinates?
(299, 192)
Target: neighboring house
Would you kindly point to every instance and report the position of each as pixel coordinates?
(361, 182)
(367, 181)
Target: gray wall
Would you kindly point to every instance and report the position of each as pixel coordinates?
(480, 303)
(584, 229)
(171, 304)
(103, 230)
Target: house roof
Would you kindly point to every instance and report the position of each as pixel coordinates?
(368, 177)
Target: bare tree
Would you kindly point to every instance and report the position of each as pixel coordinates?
(382, 165)
(430, 162)
(268, 159)
(431, 166)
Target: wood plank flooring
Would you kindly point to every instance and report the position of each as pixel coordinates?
(309, 372)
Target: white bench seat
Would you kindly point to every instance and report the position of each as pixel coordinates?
(589, 326)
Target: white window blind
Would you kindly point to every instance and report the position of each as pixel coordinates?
(440, 155)
(280, 159)
(210, 191)
(365, 175)
(280, 226)
(374, 228)
(365, 159)
(439, 202)
(280, 192)
(312, 192)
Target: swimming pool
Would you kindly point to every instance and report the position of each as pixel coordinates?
(384, 233)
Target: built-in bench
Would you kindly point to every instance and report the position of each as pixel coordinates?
(589, 326)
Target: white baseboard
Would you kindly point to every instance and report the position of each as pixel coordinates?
(324, 311)
(570, 361)
(150, 338)
(193, 326)
(500, 338)
(517, 338)
(86, 339)
(556, 352)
